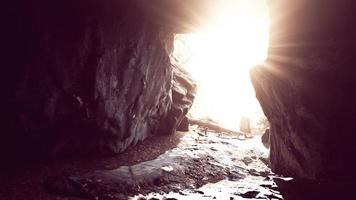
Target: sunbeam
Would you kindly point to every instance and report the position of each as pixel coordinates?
(219, 57)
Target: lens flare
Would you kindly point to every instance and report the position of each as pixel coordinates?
(219, 58)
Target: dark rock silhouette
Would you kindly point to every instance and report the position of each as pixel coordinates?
(87, 77)
(306, 88)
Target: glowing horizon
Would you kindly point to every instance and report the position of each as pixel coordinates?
(221, 56)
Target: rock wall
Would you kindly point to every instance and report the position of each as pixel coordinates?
(307, 88)
(85, 77)
(183, 93)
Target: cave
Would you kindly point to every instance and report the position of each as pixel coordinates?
(93, 105)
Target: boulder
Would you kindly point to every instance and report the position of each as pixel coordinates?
(183, 93)
(306, 88)
(86, 77)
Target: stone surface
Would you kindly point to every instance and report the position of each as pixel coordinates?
(265, 139)
(86, 77)
(184, 125)
(183, 93)
(200, 167)
(306, 88)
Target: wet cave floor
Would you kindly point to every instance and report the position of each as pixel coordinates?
(192, 165)
(203, 165)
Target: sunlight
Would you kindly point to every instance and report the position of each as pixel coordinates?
(219, 58)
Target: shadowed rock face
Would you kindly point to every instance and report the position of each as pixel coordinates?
(306, 88)
(183, 93)
(88, 77)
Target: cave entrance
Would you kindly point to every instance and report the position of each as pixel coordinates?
(219, 57)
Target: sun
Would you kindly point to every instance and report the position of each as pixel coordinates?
(220, 57)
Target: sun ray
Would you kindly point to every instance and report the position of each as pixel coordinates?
(222, 55)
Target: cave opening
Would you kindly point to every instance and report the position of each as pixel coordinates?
(93, 94)
(219, 57)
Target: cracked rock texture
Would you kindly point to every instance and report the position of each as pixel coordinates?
(307, 88)
(86, 77)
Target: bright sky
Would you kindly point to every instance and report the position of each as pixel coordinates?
(220, 57)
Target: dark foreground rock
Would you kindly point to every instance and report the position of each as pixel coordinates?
(87, 77)
(306, 88)
(28, 181)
